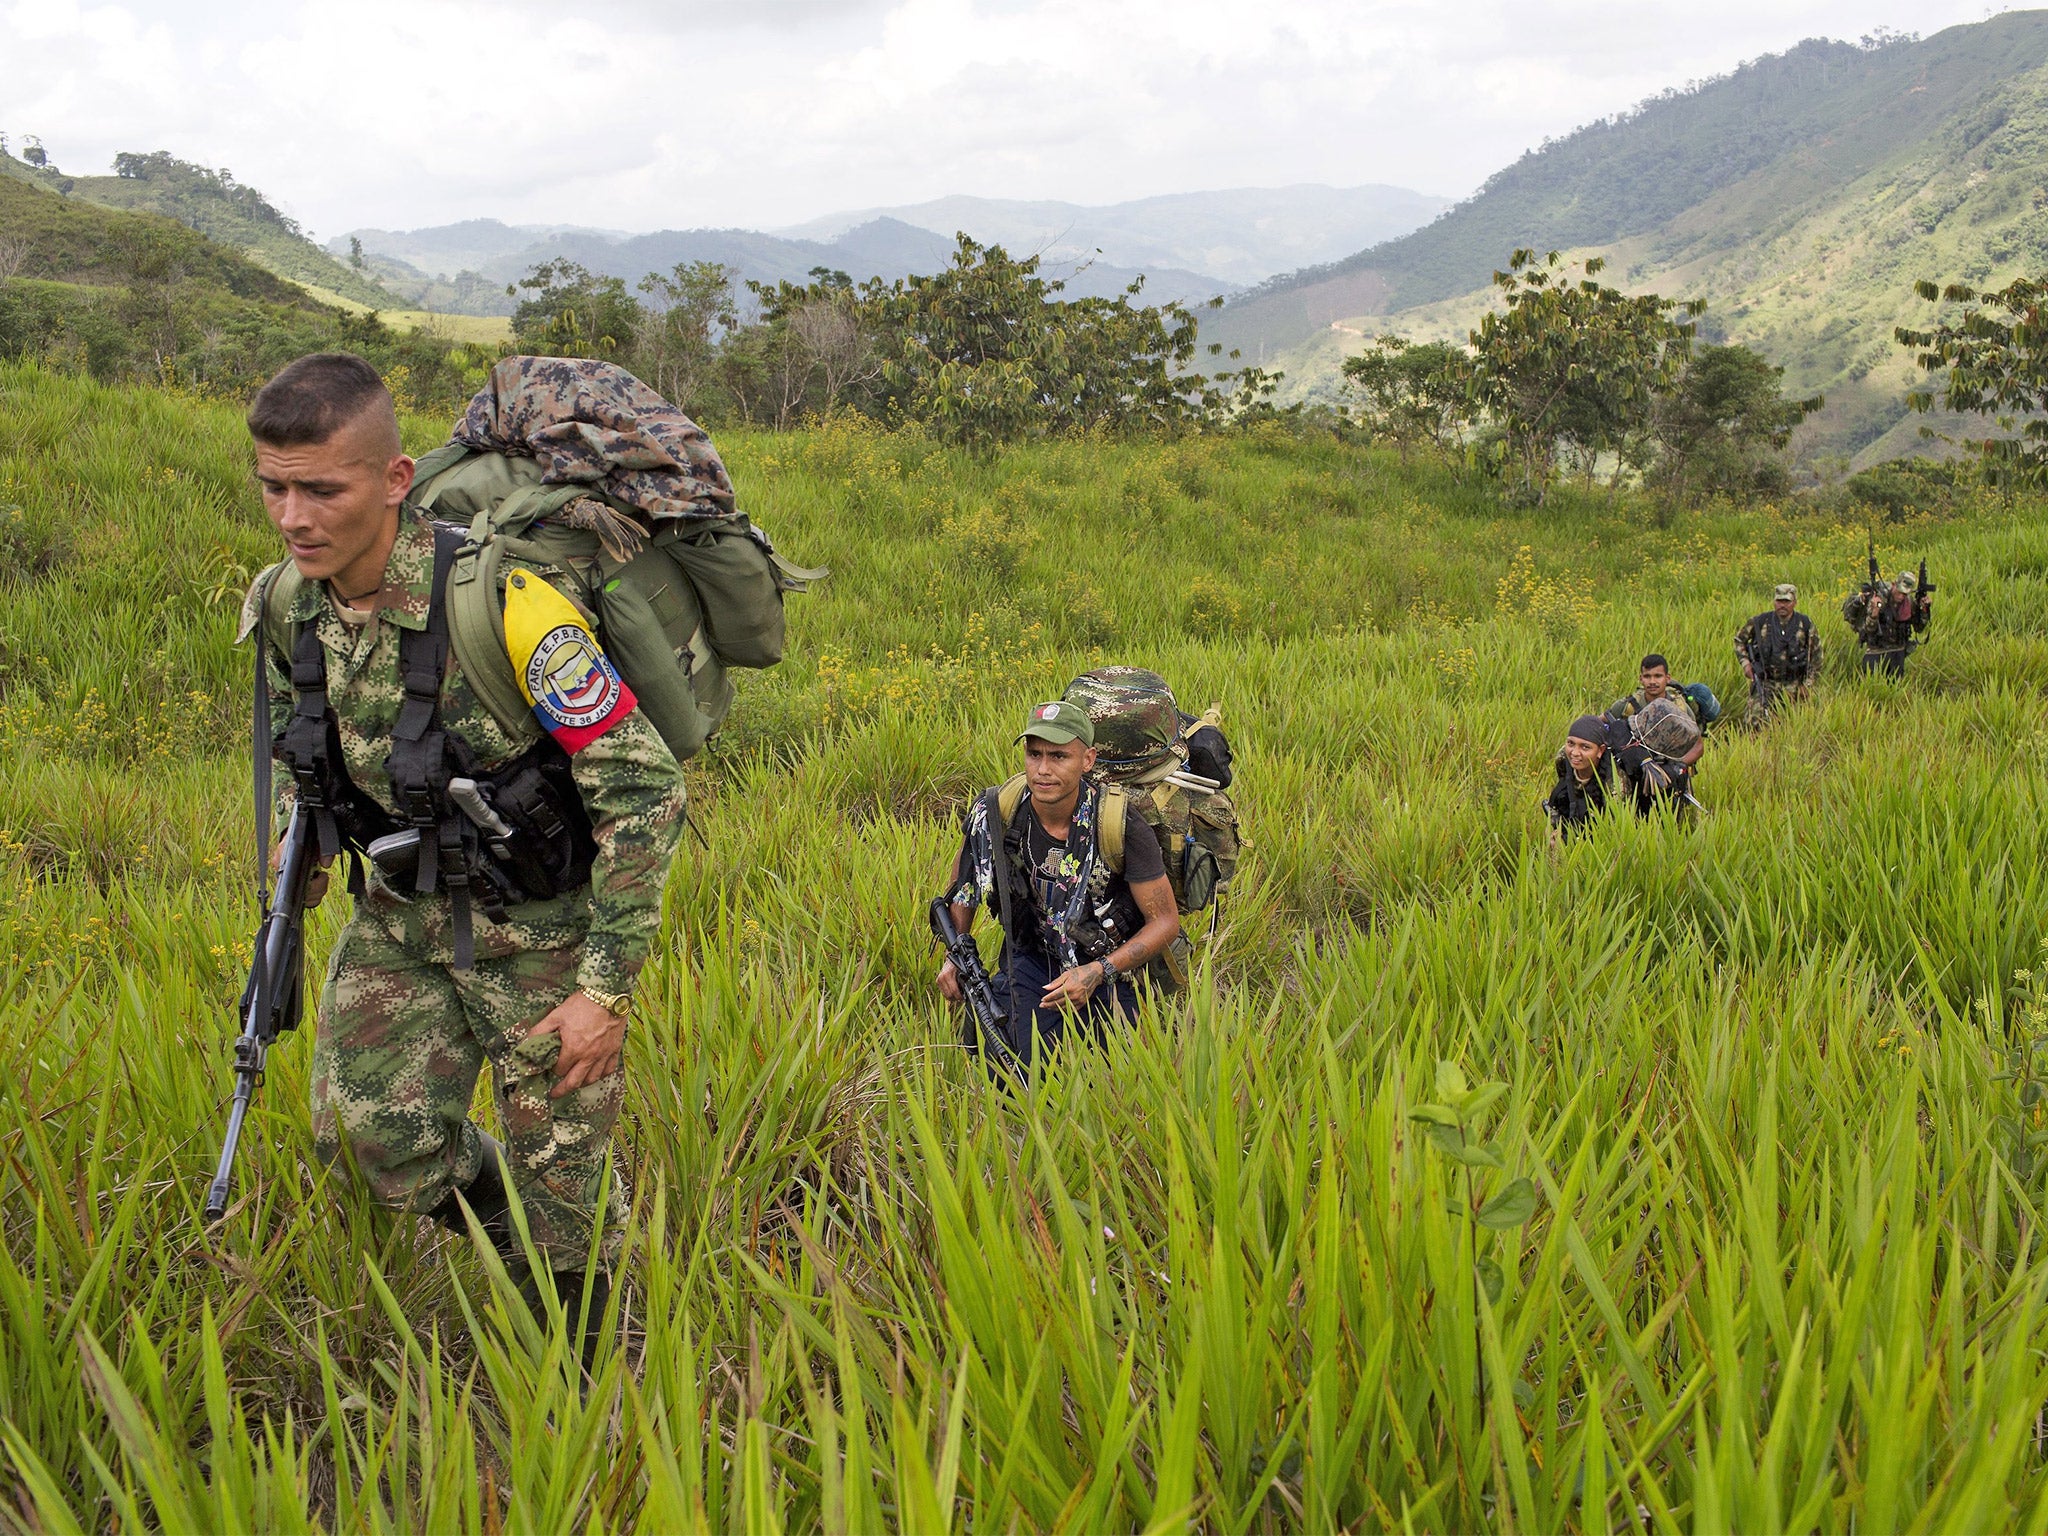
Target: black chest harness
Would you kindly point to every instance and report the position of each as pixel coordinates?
(491, 838)
(1784, 647)
(1100, 913)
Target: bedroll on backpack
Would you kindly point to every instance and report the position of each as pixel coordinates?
(1174, 768)
(1666, 727)
(678, 603)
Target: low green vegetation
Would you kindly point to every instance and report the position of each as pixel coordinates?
(1762, 1249)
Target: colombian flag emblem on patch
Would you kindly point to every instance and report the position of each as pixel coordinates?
(575, 691)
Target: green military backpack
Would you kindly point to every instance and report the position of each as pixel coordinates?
(678, 603)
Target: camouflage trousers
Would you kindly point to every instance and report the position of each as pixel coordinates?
(403, 1036)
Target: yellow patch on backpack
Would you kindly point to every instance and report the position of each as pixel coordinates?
(575, 691)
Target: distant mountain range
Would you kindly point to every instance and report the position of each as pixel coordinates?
(1801, 196)
(416, 264)
(1189, 246)
(1242, 235)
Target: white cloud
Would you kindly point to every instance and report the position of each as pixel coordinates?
(640, 114)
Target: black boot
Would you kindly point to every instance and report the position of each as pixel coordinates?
(574, 1286)
(492, 1205)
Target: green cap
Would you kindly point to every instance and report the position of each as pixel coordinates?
(1059, 722)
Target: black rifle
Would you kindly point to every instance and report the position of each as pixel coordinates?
(276, 991)
(1876, 581)
(975, 985)
(1926, 588)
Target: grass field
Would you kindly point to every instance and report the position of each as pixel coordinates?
(1785, 1266)
(487, 330)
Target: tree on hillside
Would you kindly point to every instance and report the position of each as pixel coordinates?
(1572, 367)
(1996, 359)
(190, 188)
(812, 350)
(150, 307)
(1415, 397)
(984, 352)
(987, 351)
(1718, 428)
(676, 347)
(575, 313)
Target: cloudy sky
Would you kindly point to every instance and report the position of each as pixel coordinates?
(644, 114)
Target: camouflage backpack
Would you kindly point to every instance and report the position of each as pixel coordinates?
(1155, 753)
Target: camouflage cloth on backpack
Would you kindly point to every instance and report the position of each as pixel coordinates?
(1136, 719)
(594, 423)
(1667, 727)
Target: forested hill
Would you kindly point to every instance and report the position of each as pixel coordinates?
(131, 294)
(71, 241)
(1800, 194)
(217, 206)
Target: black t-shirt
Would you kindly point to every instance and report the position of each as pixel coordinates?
(1056, 868)
(1055, 872)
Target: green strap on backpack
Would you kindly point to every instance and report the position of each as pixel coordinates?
(1110, 817)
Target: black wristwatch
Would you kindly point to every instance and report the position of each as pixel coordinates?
(1109, 971)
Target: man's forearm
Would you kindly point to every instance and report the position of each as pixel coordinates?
(1149, 941)
(637, 803)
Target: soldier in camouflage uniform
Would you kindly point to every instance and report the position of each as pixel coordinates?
(1889, 620)
(1779, 651)
(404, 1027)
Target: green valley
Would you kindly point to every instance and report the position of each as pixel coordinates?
(1801, 196)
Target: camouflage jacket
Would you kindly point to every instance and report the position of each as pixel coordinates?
(1888, 629)
(630, 783)
(1781, 650)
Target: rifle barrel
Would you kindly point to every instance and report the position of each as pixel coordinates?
(266, 1002)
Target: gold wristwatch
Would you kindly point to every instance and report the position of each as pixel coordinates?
(618, 1004)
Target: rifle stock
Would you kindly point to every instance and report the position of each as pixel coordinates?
(275, 994)
(975, 985)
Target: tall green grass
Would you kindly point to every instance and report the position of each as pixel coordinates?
(1785, 1269)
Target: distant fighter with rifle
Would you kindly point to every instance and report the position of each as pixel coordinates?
(1780, 653)
(1890, 619)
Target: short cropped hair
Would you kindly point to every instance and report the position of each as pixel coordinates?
(314, 397)
(1654, 660)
